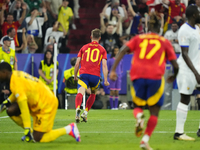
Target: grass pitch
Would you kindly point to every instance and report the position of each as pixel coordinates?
(105, 130)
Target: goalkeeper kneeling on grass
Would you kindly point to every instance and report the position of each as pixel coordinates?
(31, 97)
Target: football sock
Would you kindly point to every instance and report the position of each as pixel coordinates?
(116, 102)
(145, 138)
(90, 101)
(17, 120)
(137, 111)
(54, 134)
(181, 115)
(111, 102)
(151, 124)
(78, 100)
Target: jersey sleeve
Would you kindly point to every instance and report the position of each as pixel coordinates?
(183, 39)
(170, 54)
(104, 54)
(131, 44)
(80, 53)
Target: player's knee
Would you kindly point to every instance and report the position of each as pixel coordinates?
(37, 136)
(13, 112)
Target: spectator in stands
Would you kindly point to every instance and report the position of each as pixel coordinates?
(172, 36)
(10, 23)
(50, 47)
(52, 8)
(67, 74)
(6, 3)
(176, 12)
(33, 4)
(53, 32)
(31, 44)
(23, 48)
(108, 10)
(136, 17)
(11, 34)
(46, 71)
(115, 86)
(113, 16)
(65, 16)
(17, 14)
(108, 39)
(35, 22)
(198, 4)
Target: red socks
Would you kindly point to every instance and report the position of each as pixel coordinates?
(136, 111)
(152, 122)
(90, 101)
(78, 100)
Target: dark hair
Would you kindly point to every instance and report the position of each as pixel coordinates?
(111, 15)
(154, 23)
(11, 14)
(96, 33)
(9, 30)
(73, 61)
(113, 52)
(5, 66)
(191, 10)
(34, 8)
(174, 22)
(45, 59)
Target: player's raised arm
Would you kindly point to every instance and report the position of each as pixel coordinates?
(123, 51)
(78, 61)
(105, 72)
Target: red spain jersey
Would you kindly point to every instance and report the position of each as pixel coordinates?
(14, 25)
(175, 10)
(91, 55)
(150, 54)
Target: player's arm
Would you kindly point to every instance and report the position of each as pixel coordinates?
(123, 51)
(189, 63)
(105, 71)
(76, 68)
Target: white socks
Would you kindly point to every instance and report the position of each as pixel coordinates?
(145, 138)
(181, 115)
(68, 129)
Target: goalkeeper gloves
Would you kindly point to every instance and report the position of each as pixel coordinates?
(4, 105)
(28, 137)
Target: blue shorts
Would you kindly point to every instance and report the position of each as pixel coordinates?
(88, 80)
(148, 91)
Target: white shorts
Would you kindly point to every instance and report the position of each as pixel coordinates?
(186, 82)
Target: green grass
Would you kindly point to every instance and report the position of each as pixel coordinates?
(105, 130)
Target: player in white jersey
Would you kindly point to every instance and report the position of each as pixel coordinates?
(189, 67)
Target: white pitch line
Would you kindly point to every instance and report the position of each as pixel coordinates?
(113, 132)
(4, 117)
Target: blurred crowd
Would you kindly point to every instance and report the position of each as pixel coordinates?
(35, 25)
(122, 19)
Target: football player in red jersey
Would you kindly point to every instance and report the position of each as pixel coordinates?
(147, 70)
(90, 57)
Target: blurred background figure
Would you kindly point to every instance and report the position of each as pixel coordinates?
(115, 86)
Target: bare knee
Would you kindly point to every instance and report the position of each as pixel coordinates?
(13, 110)
(37, 135)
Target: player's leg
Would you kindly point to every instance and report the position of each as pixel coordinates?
(138, 91)
(186, 84)
(111, 98)
(151, 124)
(52, 135)
(82, 86)
(181, 115)
(43, 124)
(117, 89)
(94, 83)
(116, 99)
(14, 113)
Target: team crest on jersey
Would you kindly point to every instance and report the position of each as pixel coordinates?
(188, 88)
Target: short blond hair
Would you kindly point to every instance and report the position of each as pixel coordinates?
(96, 33)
